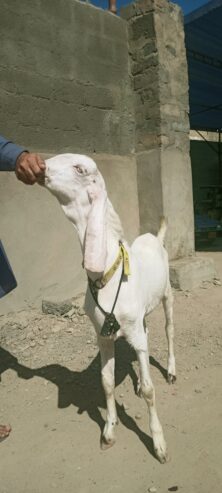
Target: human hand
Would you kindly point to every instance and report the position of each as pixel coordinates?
(30, 168)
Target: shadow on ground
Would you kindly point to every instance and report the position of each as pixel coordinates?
(83, 389)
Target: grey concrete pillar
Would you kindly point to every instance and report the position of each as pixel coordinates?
(160, 82)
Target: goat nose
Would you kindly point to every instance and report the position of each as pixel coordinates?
(47, 172)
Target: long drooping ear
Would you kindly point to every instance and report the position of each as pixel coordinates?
(95, 250)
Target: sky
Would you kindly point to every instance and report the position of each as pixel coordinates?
(190, 5)
(186, 5)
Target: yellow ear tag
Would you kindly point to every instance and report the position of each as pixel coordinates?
(126, 266)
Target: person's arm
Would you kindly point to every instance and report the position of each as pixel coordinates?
(9, 154)
(28, 167)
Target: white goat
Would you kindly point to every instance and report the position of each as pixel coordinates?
(78, 185)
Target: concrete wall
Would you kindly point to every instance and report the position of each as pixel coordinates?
(159, 72)
(64, 81)
(77, 78)
(64, 86)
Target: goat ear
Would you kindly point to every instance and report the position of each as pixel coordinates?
(95, 249)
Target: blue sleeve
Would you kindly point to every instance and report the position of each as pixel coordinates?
(9, 153)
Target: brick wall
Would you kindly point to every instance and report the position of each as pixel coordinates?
(64, 82)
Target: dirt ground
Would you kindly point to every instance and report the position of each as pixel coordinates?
(51, 395)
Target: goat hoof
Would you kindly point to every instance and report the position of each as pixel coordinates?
(162, 457)
(160, 447)
(171, 378)
(105, 444)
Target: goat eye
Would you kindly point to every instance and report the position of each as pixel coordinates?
(79, 169)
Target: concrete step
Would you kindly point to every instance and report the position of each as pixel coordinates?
(189, 272)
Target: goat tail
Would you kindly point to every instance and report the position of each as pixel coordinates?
(162, 231)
